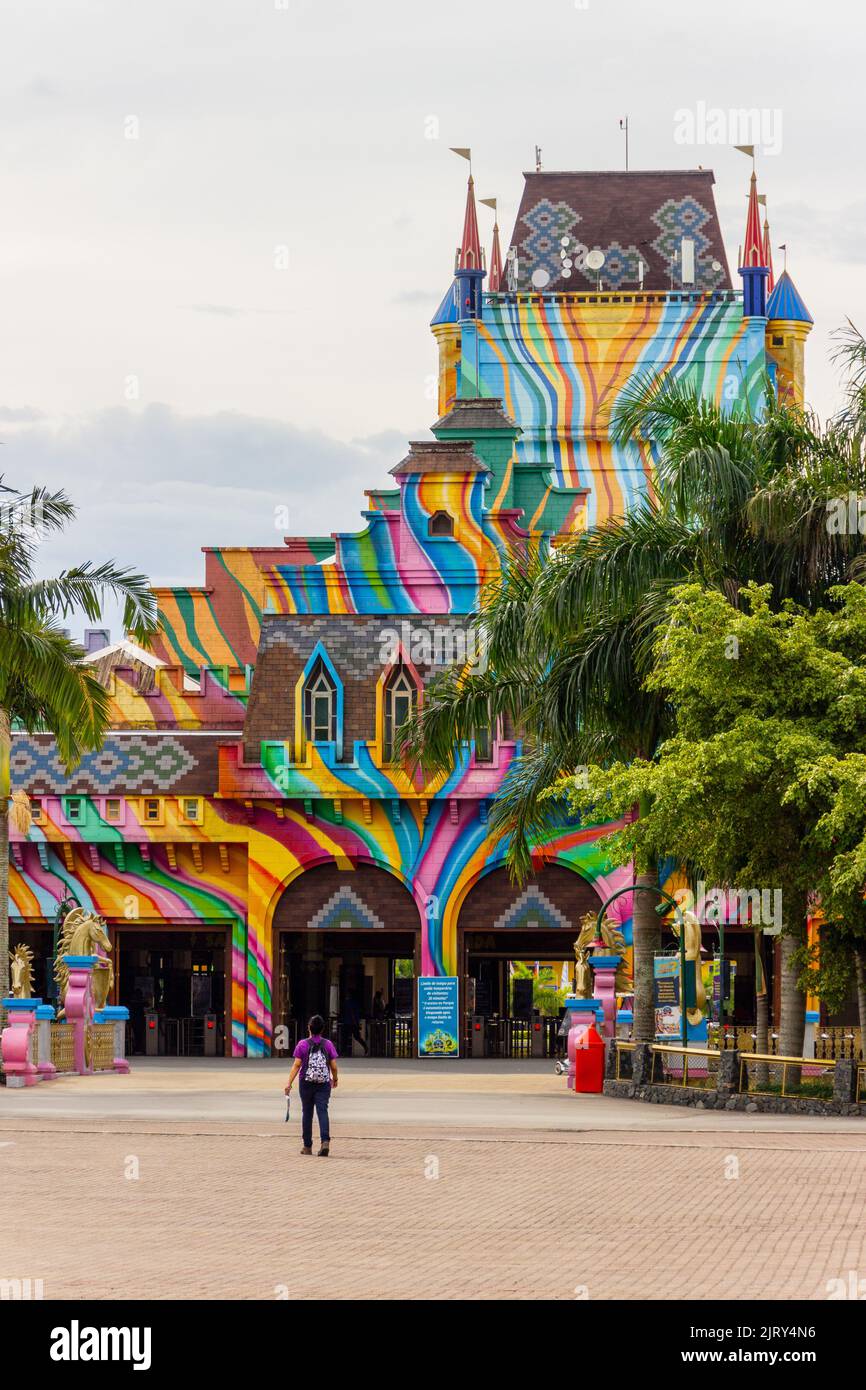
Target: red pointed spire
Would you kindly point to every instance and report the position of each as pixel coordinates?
(753, 248)
(495, 278)
(469, 255)
(768, 256)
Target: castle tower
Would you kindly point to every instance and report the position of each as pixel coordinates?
(789, 324)
(753, 267)
(462, 301)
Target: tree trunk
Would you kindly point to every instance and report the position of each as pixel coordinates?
(792, 1022)
(646, 942)
(762, 1019)
(5, 792)
(860, 972)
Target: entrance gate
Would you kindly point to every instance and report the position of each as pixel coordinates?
(515, 949)
(347, 946)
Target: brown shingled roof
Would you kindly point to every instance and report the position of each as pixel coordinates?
(625, 215)
(476, 413)
(440, 456)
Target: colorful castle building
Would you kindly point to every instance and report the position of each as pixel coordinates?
(248, 832)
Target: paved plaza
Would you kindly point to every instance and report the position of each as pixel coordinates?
(456, 1180)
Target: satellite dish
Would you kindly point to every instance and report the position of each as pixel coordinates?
(540, 278)
(595, 260)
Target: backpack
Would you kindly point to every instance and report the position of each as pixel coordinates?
(317, 1070)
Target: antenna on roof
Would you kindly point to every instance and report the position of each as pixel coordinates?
(538, 159)
(623, 125)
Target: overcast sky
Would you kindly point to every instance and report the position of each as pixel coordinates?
(161, 163)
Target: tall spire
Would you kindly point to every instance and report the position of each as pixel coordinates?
(768, 255)
(753, 266)
(767, 245)
(469, 254)
(753, 247)
(495, 261)
(495, 281)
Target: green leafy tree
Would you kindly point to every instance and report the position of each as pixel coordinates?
(43, 686)
(754, 786)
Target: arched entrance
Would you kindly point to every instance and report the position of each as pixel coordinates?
(513, 943)
(347, 945)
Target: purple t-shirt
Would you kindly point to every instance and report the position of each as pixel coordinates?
(303, 1048)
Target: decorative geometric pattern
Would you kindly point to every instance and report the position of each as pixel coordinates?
(122, 764)
(620, 267)
(531, 910)
(547, 223)
(344, 910)
(684, 217)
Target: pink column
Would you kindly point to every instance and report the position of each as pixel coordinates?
(78, 1006)
(604, 988)
(16, 1042)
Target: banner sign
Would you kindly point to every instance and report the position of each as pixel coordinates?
(438, 1016)
(666, 993)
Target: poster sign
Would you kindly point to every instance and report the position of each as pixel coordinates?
(438, 1016)
(666, 991)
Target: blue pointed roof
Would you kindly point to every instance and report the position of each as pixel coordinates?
(785, 302)
(447, 311)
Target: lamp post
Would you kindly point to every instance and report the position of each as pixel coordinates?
(664, 906)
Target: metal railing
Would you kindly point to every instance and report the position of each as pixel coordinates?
(834, 1043)
(385, 1037)
(861, 1084)
(62, 1046)
(698, 1066)
(768, 1073)
(100, 1046)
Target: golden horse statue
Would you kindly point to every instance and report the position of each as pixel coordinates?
(81, 934)
(21, 971)
(692, 932)
(614, 944)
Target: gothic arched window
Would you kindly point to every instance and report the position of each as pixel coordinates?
(401, 696)
(320, 706)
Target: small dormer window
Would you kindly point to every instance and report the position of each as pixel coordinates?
(401, 697)
(320, 706)
(441, 524)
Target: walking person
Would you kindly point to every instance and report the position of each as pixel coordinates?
(315, 1057)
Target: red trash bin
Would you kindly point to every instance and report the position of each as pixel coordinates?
(589, 1062)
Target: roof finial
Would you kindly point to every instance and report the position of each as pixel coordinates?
(538, 159)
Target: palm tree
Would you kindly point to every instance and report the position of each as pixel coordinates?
(570, 640)
(44, 688)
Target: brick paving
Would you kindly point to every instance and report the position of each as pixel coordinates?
(221, 1209)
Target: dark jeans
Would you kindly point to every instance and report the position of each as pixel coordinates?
(315, 1095)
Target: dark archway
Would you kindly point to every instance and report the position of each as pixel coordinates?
(347, 945)
(502, 923)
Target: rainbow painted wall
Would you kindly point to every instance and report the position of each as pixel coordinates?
(191, 814)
